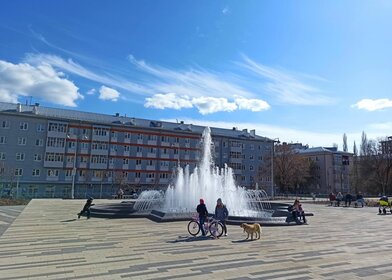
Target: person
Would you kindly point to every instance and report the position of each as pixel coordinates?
(298, 212)
(339, 198)
(203, 214)
(332, 198)
(348, 199)
(221, 214)
(120, 193)
(86, 208)
(360, 200)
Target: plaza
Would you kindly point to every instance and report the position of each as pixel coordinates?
(47, 241)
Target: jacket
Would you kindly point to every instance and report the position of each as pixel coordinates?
(221, 213)
(202, 210)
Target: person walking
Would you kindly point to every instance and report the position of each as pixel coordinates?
(221, 214)
(203, 214)
(86, 208)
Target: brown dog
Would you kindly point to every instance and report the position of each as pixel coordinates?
(252, 228)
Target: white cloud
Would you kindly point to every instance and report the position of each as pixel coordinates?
(106, 93)
(71, 67)
(386, 126)
(205, 105)
(226, 10)
(40, 81)
(289, 88)
(91, 91)
(209, 105)
(193, 82)
(254, 105)
(169, 100)
(373, 104)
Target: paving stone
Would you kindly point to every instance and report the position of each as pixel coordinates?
(46, 241)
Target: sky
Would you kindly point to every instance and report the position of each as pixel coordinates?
(297, 71)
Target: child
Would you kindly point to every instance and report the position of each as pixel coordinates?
(86, 208)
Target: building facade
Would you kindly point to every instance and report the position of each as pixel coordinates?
(49, 152)
(333, 169)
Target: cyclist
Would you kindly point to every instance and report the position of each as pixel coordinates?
(203, 214)
(221, 214)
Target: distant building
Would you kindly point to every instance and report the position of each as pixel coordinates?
(44, 151)
(386, 146)
(333, 168)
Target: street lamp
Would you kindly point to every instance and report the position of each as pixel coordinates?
(276, 140)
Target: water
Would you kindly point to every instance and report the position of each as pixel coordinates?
(210, 183)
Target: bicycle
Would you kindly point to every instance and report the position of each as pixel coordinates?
(211, 226)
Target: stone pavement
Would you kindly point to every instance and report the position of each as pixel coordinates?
(46, 241)
(7, 215)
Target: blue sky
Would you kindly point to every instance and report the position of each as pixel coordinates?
(300, 71)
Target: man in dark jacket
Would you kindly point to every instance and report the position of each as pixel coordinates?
(203, 214)
(221, 214)
(86, 208)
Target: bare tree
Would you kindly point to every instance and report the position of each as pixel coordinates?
(345, 149)
(291, 170)
(375, 169)
(364, 145)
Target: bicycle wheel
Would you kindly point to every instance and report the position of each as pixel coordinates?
(216, 229)
(193, 228)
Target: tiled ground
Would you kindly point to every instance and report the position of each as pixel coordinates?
(7, 215)
(47, 242)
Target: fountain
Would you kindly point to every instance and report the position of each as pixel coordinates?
(209, 182)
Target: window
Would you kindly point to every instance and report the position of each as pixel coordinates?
(153, 150)
(137, 175)
(138, 162)
(37, 157)
(113, 148)
(39, 142)
(151, 163)
(3, 140)
(68, 173)
(251, 167)
(100, 131)
(251, 157)
(40, 127)
(23, 126)
(176, 151)
(53, 173)
(83, 159)
(252, 147)
(2, 156)
(139, 149)
(18, 172)
(164, 151)
(22, 141)
(127, 135)
(36, 172)
(127, 148)
(164, 164)
(20, 156)
(57, 127)
(5, 124)
(151, 175)
(57, 142)
(54, 157)
(152, 137)
(113, 134)
(140, 136)
(125, 161)
(164, 139)
(163, 176)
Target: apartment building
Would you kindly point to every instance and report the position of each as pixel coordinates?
(333, 169)
(51, 152)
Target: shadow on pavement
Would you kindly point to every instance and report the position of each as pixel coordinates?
(67, 221)
(190, 239)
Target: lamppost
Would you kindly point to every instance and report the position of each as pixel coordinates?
(276, 140)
